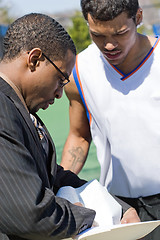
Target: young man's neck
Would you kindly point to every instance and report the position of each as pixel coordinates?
(141, 48)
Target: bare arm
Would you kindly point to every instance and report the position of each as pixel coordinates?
(78, 141)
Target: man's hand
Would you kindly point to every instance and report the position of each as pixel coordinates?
(79, 204)
(130, 216)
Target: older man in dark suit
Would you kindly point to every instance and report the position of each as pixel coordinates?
(38, 58)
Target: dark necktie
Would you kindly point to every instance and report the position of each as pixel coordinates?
(41, 133)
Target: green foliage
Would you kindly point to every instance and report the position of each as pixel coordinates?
(79, 32)
(156, 3)
(4, 14)
(144, 29)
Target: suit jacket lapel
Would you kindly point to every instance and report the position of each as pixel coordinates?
(8, 91)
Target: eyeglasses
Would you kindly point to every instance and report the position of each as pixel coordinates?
(63, 81)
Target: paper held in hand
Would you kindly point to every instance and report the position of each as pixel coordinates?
(108, 214)
(93, 195)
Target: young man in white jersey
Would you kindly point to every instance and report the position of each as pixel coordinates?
(115, 100)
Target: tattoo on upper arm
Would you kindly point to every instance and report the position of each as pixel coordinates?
(77, 156)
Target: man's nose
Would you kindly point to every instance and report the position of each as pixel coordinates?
(110, 44)
(59, 92)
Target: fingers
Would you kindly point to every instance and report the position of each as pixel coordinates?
(130, 216)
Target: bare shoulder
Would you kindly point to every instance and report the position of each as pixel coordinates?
(152, 40)
(71, 91)
(77, 111)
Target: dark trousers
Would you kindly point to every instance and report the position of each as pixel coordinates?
(148, 209)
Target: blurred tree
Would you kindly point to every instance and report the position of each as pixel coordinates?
(144, 29)
(79, 32)
(4, 14)
(156, 3)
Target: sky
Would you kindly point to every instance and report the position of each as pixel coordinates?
(21, 7)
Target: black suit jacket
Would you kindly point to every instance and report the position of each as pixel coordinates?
(29, 208)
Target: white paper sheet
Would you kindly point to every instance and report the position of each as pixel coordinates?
(94, 196)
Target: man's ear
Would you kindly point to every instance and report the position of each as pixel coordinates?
(33, 59)
(139, 16)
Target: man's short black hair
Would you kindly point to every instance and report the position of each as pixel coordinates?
(105, 10)
(37, 30)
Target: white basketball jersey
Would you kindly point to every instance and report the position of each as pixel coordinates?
(124, 115)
